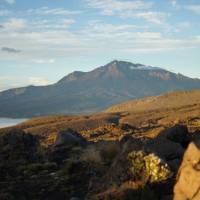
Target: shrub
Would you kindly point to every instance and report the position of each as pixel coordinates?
(109, 152)
(149, 167)
(92, 156)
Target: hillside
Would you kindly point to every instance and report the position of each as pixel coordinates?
(89, 92)
(141, 149)
(142, 117)
(165, 101)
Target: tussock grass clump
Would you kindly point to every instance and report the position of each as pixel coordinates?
(91, 155)
(110, 151)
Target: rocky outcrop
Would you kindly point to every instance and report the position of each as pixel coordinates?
(16, 146)
(134, 167)
(64, 144)
(170, 145)
(178, 134)
(188, 179)
(69, 138)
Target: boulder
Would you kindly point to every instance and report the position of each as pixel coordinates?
(170, 145)
(133, 170)
(63, 147)
(17, 146)
(69, 137)
(178, 134)
(165, 149)
(188, 179)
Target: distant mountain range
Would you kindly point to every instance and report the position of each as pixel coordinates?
(87, 92)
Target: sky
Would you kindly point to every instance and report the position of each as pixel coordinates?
(43, 40)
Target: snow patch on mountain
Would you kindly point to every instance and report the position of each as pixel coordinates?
(144, 67)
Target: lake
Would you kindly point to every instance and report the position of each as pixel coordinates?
(5, 122)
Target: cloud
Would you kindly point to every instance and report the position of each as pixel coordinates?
(54, 11)
(128, 9)
(4, 12)
(15, 23)
(153, 17)
(173, 3)
(44, 61)
(44, 47)
(52, 24)
(38, 81)
(112, 7)
(8, 82)
(194, 8)
(10, 1)
(10, 50)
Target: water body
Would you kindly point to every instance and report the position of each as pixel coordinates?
(5, 122)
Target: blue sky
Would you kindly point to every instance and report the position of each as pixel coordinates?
(43, 40)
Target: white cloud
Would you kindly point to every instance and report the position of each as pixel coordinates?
(45, 47)
(44, 61)
(10, 1)
(15, 23)
(194, 8)
(44, 41)
(38, 81)
(111, 7)
(4, 12)
(153, 17)
(173, 3)
(54, 11)
(68, 22)
(128, 9)
(185, 24)
(52, 24)
(8, 82)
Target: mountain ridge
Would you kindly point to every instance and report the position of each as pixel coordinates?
(93, 91)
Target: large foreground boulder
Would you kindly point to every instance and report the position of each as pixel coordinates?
(170, 145)
(178, 134)
(188, 179)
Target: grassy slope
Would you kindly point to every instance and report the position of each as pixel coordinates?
(147, 116)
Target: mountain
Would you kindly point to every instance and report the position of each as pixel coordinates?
(87, 92)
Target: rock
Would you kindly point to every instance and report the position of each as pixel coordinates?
(69, 138)
(168, 197)
(170, 144)
(75, 198)
(133, 169)
(196, 135)
(165, 148)
(178, 134)
(125, 139)
(188, 179)
(17, 146)
(14, 137)
(64, 146)
(174, 164)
